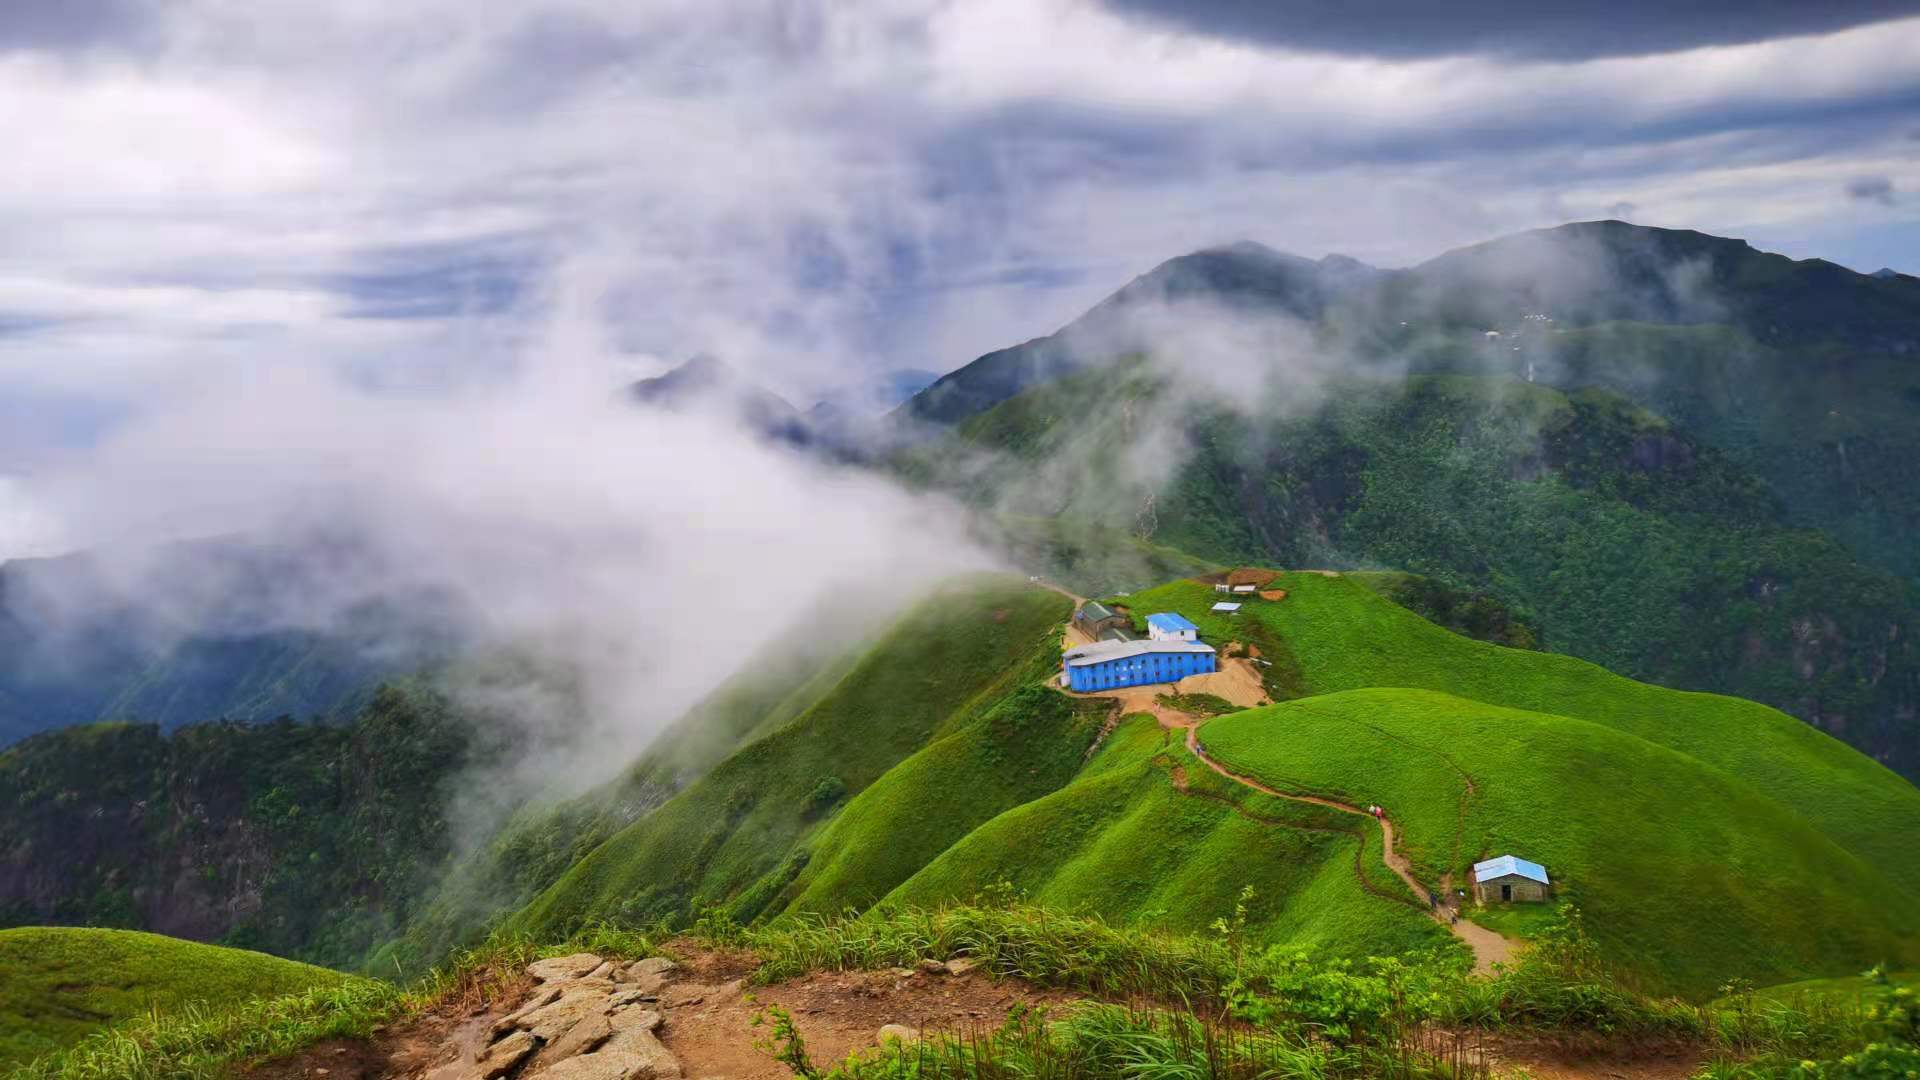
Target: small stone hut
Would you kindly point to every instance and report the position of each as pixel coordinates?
(1095, 618)
(1509, 879)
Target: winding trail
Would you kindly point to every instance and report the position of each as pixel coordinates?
(1489, 948)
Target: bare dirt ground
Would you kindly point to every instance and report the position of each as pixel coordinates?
(707, 1014)
(702, 1015)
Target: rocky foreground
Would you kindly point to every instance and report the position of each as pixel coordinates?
(589, 1019)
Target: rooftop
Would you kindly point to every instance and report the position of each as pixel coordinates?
(1509, 866)
(1094, 611)
(1169, 622)
(1226, 607)
(1101, 652)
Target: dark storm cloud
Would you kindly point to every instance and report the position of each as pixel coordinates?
(59, 25)
(1552, 30)
(1872, 189)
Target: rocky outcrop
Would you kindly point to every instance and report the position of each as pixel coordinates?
(589, 1019)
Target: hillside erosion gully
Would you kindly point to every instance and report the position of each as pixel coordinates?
(1239, 682)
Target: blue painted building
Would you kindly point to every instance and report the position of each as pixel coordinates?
(1166, 626)
(1108, 665)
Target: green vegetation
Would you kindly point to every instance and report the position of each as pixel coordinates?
(943, 665)
(1197, 704)
(1676, 892)
(1124, 840)
(1218, 1005)
(540, 843)
(308, 840)
(1023, 748)
(1844, 989)
(1587, 525)
(199, 1041)
(58, 985)
(1345, 637)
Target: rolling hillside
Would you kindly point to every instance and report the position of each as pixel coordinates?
(729, 838)
(900, 788)
(59, 985)
(1342, 636)
(1679, 890)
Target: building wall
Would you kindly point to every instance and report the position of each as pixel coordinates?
(1140, 670)
(1525, 890)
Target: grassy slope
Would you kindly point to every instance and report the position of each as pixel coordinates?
(1682, 892)
(539, 843)
(1024, 748)
(1345, 637)
(954, 655)
(59, 984)
(1123, 842)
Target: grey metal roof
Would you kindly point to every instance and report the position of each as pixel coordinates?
(1101, 652)
(1509, 866)
(1226, 607)
(1094, 611)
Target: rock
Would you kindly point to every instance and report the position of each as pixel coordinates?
(637, 1020)
(651, 967)
(604, 971)
(932, 967)
(649, 975)
(897, 1033)
(549, 1022)
(560, 968)
(902, 973)
(632, 1055)
(960, 965)
(582, 1038)
(623, 998)
(544, 996)
(500, 1058)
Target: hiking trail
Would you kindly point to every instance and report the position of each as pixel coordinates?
(1489, 948)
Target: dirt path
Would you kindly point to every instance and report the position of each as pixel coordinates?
(1488, 947)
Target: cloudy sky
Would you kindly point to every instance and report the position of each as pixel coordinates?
(423, 191)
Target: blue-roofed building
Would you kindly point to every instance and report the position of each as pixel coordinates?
(1110, 665)
(1167, 626)
(1508, 879)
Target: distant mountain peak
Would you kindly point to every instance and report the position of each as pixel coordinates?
(704, 381)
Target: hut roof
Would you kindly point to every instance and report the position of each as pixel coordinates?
(1169, 623)
(1509, 866)
(1226, 607)
(1094, 611)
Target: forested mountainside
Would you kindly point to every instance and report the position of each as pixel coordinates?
(1616, 536)
(310, 840)
(194, 632)
(1753, 412)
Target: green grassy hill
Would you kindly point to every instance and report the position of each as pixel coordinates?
(1342, 636)
(1704, 838)
(731, 837)
(1682, 871)
(1125, 840)
(1024, 748)
(58, 985)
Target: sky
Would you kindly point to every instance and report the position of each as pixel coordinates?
(425, 193)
